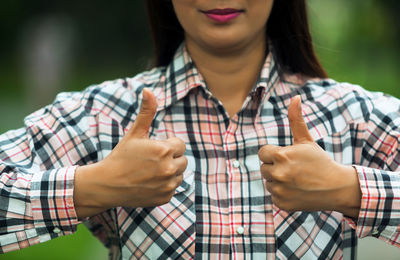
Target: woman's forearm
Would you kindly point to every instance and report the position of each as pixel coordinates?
(349, 201)
(84, 192)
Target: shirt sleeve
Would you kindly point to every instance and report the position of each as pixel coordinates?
(37, 167)
(377, 143)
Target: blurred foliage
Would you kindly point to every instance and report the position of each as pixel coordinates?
(81, 245)
(357, 41)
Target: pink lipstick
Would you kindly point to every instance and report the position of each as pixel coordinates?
(222, 15)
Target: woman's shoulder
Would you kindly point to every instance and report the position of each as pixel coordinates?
(327, 86)
(353, 99)
(122, 91)
(114, 98)
(128, 86)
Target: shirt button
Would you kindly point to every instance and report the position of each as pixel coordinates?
(375, 232)
(236, 164)
(56, 230)
(240, 230)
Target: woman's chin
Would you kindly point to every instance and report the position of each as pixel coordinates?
(223, 46)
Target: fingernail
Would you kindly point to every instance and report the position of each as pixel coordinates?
(299, 102)
(144, 95)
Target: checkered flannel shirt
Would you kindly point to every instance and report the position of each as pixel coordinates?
(222, 209)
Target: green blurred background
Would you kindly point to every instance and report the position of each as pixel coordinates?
(51, 46)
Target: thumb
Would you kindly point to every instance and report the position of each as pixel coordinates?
(140, 128)
(297, 125)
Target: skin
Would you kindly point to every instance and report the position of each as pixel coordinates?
(222, 51)
(229, 56)
(128, 178)
(306, 172)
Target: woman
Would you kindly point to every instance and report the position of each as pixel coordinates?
(241, 148)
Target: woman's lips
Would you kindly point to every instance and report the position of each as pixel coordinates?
(222, 15)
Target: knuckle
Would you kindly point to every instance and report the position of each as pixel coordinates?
(171, 195)
(275, 201)
(180, 180)
(166, 198)
(261, 151)
(185, 161)
(265, 175)
(279, 203)
(179, 142)
(279, 192)
(280, 154)
(170, 170)
(162, 200)
(265, 172)
(282, 205)
(163, 149)
(272, 190)
(287, 207)
(170, 187)
(183, 146)
(281, 177)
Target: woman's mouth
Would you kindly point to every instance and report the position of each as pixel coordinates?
(222, 15)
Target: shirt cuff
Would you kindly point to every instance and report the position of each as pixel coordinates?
(51, 195)
(378, 209)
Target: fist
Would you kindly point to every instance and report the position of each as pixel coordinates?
(303, 176)
(140, 172)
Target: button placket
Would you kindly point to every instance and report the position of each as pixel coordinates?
(236, 164)
(240, 230)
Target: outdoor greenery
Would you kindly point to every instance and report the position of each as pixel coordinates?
(357, 41)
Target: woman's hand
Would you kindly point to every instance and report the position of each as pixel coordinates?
(139, 172)
(303, 177)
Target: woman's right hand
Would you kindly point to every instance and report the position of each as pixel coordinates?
(139, 172)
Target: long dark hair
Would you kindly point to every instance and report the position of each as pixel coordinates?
(287, 31)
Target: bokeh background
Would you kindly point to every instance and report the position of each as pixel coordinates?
(51, 46)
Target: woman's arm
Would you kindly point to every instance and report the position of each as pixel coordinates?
(44, 193)
(378, 170)
(37, 168)
(303, 177)
(138, 172)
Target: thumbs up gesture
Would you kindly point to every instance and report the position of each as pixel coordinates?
(139, 172)
(304, 177)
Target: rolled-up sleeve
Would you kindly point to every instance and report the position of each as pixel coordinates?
(378, 169)
(37, 167)
(380, 205)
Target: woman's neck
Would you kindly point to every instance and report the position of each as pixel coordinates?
(230, 76)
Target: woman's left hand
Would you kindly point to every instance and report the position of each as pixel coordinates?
(303, 177)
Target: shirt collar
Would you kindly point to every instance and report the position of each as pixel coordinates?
(181, 76)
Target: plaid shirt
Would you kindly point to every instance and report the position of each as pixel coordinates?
(222, 209)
